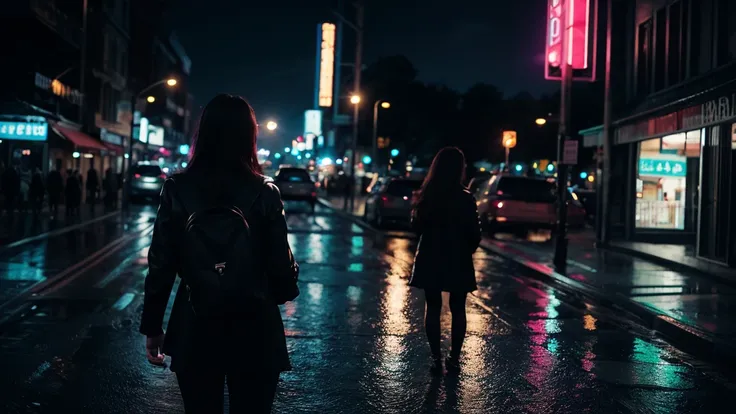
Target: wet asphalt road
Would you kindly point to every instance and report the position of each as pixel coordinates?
(355, 335)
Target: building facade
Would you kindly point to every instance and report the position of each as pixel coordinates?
(674, 129)
(70, 75)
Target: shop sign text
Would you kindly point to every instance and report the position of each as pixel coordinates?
(662, 167)
(25, 131)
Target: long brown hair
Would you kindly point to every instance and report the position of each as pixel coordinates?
(225, 138)
(445, 176)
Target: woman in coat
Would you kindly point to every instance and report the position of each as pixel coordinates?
(225, 323)
(446, 219)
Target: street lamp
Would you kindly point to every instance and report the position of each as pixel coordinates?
(355, 100)
(384, 105)
(170, 82)
(271, 125)
(540, 121)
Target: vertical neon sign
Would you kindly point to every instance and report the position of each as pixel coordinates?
(327, 64)
(575, 17)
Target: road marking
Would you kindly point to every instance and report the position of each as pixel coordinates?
(96, 260)
(79, 267)
(479, 302)
(56, 232)
(124, 301)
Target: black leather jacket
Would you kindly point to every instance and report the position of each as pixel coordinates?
(449, 232)
(187, 338)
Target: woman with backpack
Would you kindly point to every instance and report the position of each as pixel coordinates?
(445, 218)
(221, 228)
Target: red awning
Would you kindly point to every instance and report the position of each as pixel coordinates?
(79, 139)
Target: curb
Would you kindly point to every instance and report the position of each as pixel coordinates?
(56, 232)
(677, 266)
(684, 337)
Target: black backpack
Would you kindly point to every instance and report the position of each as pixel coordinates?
(219, 269)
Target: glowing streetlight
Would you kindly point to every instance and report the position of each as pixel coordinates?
(385, 105)
(171, 82)
(540, 121)
(355, 99)
(271, 126)
(151, 99)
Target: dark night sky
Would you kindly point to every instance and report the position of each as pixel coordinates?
(266, 52)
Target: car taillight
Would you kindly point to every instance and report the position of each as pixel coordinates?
(137, 176)
(162, 176)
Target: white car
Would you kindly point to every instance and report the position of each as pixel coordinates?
(295, 184)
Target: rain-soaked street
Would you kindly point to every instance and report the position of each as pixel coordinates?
(70, 305)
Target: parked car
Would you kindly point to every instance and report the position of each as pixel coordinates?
(146, 181)
(295, 184)
(390, 201)
(516, 204)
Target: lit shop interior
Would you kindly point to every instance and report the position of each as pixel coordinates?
(667, 182)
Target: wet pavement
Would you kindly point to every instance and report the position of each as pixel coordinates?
(21, 225)
(355, 336)
(704, 304)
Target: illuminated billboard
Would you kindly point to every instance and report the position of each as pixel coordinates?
(313, 122)
(326, 64)
(578, 18)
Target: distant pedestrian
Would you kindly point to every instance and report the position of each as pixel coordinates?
(446, 219)
(228, 243)
(37, 192)
(111, 189)
(73, 193)
(93, 186)
(25, 188)
(55, 188)
(11, 188)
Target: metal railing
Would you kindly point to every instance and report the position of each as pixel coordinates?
(660, 214)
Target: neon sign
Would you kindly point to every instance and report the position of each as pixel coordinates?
(571, 21)
(26, 131)
(662, 167)
(326, 64)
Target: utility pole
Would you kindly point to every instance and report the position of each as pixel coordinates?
(560, 256)
(83, 62)
(602, 233)
(356, 90)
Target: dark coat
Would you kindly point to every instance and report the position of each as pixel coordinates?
(449, 233)
(256, 342)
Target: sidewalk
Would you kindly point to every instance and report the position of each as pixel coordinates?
(23, 225)
(696, 312)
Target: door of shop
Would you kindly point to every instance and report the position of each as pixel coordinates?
(715, 235)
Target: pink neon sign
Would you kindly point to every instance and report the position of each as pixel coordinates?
(576, 20)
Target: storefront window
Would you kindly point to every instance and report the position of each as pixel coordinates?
(661, 180)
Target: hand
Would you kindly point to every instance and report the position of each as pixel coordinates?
(153, 349)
